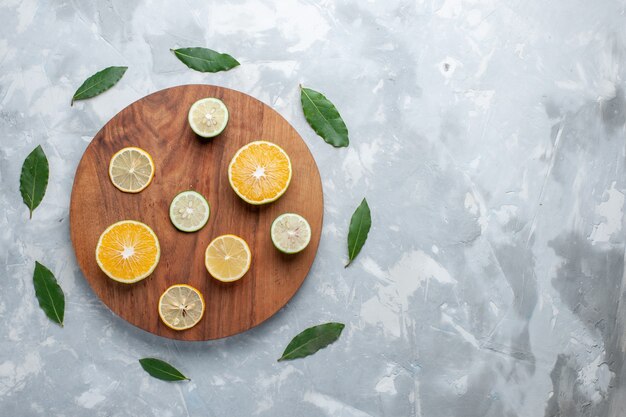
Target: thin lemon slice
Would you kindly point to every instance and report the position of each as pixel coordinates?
(227, 258)
(131, 169)
(260, 172)
(291, 233)
(181, 307)
(189, 211)
(128, 251)
(208, 117)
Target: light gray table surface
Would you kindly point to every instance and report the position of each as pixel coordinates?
(488, 137)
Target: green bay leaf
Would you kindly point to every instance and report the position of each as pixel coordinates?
(34, 178)
(311, 340)
(161, 370)
(324, 118)
(204, 59)
(49, 293)
(99, 83)
(360, 225)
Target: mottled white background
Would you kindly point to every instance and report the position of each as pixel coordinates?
(488, 137)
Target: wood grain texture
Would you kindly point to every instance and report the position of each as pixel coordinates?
(158, 124)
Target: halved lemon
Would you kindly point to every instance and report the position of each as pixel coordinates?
(181, 307)
(131, 169)
(260, 172)
(291, 233)
(189, 211)
(128, 251)
(208, 117)
(227, 258)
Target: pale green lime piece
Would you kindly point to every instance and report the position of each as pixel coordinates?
(189, 211)
(291, 233)
(208, 117)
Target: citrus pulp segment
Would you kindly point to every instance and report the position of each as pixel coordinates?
(181, 307)
(227, 258)
(260, 172)
(208, 117)
(128, 251)
(131, 169)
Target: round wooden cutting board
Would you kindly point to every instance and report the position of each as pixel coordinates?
(158, 124)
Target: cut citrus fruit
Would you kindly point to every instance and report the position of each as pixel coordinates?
(208, 117)
(131, 169)
(128, 251)
(291, 233)
(227, 258)
(189, 211)
(181, 307)
(260, 172)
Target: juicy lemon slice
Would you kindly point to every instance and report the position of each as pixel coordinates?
(227, 258)
(260, 172)
(128, 251)
(189, 211)
(208, 117)
(131, 169)
(291, 233)
(181, 307)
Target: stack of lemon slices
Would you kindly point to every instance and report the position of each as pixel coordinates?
(259, 173)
